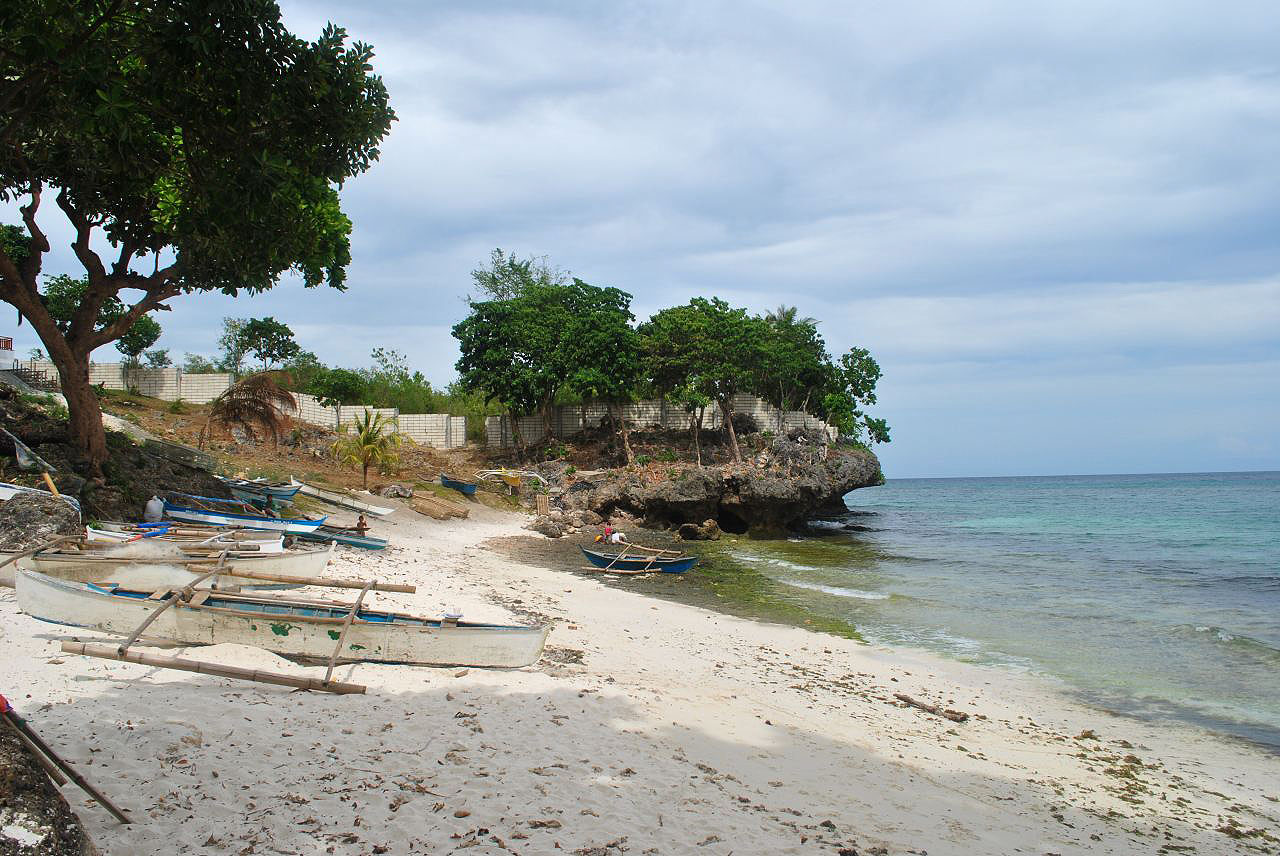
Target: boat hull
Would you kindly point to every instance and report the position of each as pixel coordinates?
(299, 629)
(605, 561)
(247, 521)
(213, 541)
(464, 488)
(90, 568)
(342, 500)
(367, 542)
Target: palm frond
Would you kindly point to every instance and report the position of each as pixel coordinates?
(255, 402)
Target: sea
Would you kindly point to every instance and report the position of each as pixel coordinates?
(1154, 596)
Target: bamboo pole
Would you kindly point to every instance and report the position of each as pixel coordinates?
(49, 767)
(183, 594)
(346, 625)
(109, 652)
(21, 724)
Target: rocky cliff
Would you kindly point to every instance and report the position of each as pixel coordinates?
(785, 481)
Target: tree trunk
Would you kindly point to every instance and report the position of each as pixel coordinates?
(727, 413)
(364, 476)
(626, 439)
(697, 434)
(84, 414)
(515, 435)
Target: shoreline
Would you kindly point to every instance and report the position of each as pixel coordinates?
(649, 725)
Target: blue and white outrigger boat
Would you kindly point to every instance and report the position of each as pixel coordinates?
(233, 512)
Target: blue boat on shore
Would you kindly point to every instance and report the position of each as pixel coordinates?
(462, 487)
(643, 562)
(348, 535)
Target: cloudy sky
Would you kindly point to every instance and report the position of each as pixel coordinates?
(1057, 226)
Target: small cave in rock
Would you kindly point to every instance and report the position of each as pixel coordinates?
(732, 523)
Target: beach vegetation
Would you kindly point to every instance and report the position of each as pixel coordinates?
(203, 143)
(371, 441)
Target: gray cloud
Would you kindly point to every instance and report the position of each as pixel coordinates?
(976, 191)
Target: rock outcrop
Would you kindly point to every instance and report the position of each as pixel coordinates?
(783, 483)
(30, 519)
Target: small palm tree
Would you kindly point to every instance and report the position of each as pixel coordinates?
(255, 401)
(373, 443)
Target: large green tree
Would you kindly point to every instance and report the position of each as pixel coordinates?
(795, 366)
(199, 139)
(705, 348)
(603, 350)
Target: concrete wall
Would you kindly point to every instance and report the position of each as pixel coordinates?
(569, 419)
(439, 430)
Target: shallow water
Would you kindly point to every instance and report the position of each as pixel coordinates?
(1154, 595)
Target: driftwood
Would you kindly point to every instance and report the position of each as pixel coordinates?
(946, 713)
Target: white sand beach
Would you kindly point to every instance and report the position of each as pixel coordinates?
(648, 727)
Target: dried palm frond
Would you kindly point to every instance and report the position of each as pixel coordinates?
(255, 401)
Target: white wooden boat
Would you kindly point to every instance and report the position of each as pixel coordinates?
(231, 539)
(230, 512)
(305, 629)
(342, 500)
(89, 566)
(8, 491)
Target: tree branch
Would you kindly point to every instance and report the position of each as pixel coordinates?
(38, 245)
(100, 288)
(160, 288)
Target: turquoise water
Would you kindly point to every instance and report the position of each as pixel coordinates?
(1152, 595)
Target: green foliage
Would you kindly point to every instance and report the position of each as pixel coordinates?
(158, 359)
(142, 335)
(852, 386)
(13, 243)
(507, 277)
(196, 364)
(335, 387)
(203, 135)
(390, 383)
(177, 406)
(795, 366)
(667, 455)
(643, 460)
(372, 443)
(232, 345)
(269, 341)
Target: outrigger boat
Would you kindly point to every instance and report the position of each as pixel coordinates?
(303, 629)
(187, 536)
(90, 565)
(260, 491)
(232, 512)
(465, 488)
(644, 561)
(341, 499)
(348, 535)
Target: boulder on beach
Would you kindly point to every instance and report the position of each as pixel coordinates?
(544, 525)
(708, 530)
